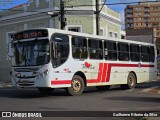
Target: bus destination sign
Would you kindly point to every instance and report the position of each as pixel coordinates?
(30, 34)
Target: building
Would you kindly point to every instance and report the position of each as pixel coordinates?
(143, 15)
(143, 35)
(79, 15)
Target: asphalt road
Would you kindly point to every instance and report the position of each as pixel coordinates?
(145, 97)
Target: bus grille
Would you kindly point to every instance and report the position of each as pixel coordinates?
(25, 76)
(26, 83)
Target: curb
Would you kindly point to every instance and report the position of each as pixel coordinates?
(5, 84)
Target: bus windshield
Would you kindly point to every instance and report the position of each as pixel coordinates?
(31, 53)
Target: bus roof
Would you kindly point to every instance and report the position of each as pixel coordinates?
(53, 30)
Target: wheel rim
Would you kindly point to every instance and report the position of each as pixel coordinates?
(76, 85)
(131, 81)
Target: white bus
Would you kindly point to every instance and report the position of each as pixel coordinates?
(50, 58)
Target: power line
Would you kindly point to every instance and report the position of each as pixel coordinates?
(102, 5)
(55, 4)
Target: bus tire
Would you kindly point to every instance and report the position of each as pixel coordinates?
(131, 82)
(77, 86)
(103, 88)
(45, 90)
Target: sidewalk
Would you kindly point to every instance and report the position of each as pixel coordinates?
(5, 84)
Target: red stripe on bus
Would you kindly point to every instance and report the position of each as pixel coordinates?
(104, 72)
(100, 72)
(99, 75)
(147, 65)
(92, 81)
(108, 73)
(60, 82)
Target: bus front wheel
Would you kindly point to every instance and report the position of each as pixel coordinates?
(131, 82)
(77, 86)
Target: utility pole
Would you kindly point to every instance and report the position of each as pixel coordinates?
(97, 17)
(62, 18)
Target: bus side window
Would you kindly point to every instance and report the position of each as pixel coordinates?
(79, 47)
(95, 49)
(135, 52)
(60, 49)
(110, 50)
(151, 54)
(123, 52)
(145, 54)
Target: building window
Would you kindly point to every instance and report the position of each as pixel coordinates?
(115, 35)
(156, 23)
(147, 19)
(129, 15)
(129, 10)
(122, 37)
(139, 24)
(155, 13)
(156, 18)
(147, 14)
(101, 32)
(155, 8)
(129, 25)
(130, 20)
(147, 24)
(146, 8)
(138, 8)
(110, 34)
(138, 18)
(138, 13)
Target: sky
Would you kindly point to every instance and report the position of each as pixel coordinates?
(6, 4)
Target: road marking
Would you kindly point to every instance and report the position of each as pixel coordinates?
(131, 90)
(152, 90)
(8, 85)
(3, 85)
(149, 89)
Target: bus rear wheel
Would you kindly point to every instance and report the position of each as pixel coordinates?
(103, 88)
(77, 86)
(131, 82)
(45, 90)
